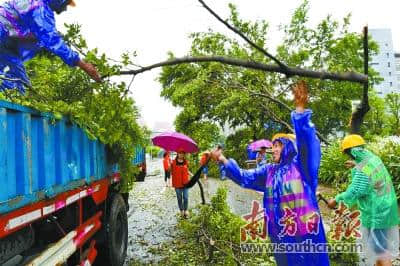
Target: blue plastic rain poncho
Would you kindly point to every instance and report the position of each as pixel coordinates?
(263, 159)
(291, 210)
(251, 155)
(26, 27)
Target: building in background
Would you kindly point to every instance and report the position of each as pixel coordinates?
(384, 62)
(397, 60)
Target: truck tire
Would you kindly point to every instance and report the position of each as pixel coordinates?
(113, 250)
(16, 243)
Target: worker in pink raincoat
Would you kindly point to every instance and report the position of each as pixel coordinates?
(289, 184)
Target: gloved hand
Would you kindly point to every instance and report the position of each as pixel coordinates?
(90, 70)
(300, 93)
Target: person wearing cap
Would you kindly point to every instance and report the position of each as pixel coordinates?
(26, 28)
(180, 177)
(289, 136)
(261, 157)
(289, 186)
(372, 190)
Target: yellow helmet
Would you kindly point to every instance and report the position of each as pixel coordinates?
(281, 135)
(291, 136)
(351, 141)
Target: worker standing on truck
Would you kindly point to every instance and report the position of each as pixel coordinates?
(26, 28)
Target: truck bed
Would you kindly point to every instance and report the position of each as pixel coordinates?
(41, 157)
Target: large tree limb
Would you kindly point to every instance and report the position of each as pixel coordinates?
(278, 102)
(238, 32)
(347, 76)
(357, 118)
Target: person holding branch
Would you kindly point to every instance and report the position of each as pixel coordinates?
(289, 184)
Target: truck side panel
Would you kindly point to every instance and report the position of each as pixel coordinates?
(41, 157)
(140, 155)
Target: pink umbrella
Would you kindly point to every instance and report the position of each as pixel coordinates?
(258, 144)
(174, 141)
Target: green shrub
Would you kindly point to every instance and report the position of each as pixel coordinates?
(332, 171)
(339, 259)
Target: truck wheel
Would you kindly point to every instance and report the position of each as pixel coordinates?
(16, 243)
(113, 251)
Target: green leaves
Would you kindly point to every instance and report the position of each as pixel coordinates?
(211, 226)
(233, 96)
(392, 101)
(103, 110)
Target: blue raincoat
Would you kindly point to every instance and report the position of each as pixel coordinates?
(27, 27)
(251, 155)
(291, 210)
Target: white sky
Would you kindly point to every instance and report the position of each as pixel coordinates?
(154, 27)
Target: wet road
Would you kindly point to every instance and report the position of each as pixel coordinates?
(154, 210)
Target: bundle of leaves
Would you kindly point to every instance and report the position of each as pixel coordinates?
(103, 110)
(212, 236)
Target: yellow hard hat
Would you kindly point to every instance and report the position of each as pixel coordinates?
(280, 135)
(351, 141)
(291, 136)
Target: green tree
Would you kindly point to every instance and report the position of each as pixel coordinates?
(377, 119)
(205, 133)
(392, 101)
(243, 97)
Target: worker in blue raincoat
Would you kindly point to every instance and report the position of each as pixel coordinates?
(27, 27)
(292, 218)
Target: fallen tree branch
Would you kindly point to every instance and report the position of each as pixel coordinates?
(272, 115)
(357, 118)
(213, 247)
(293, 71)
(260, 49)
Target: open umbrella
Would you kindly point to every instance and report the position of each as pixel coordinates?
(258, 144)
(174, 141)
